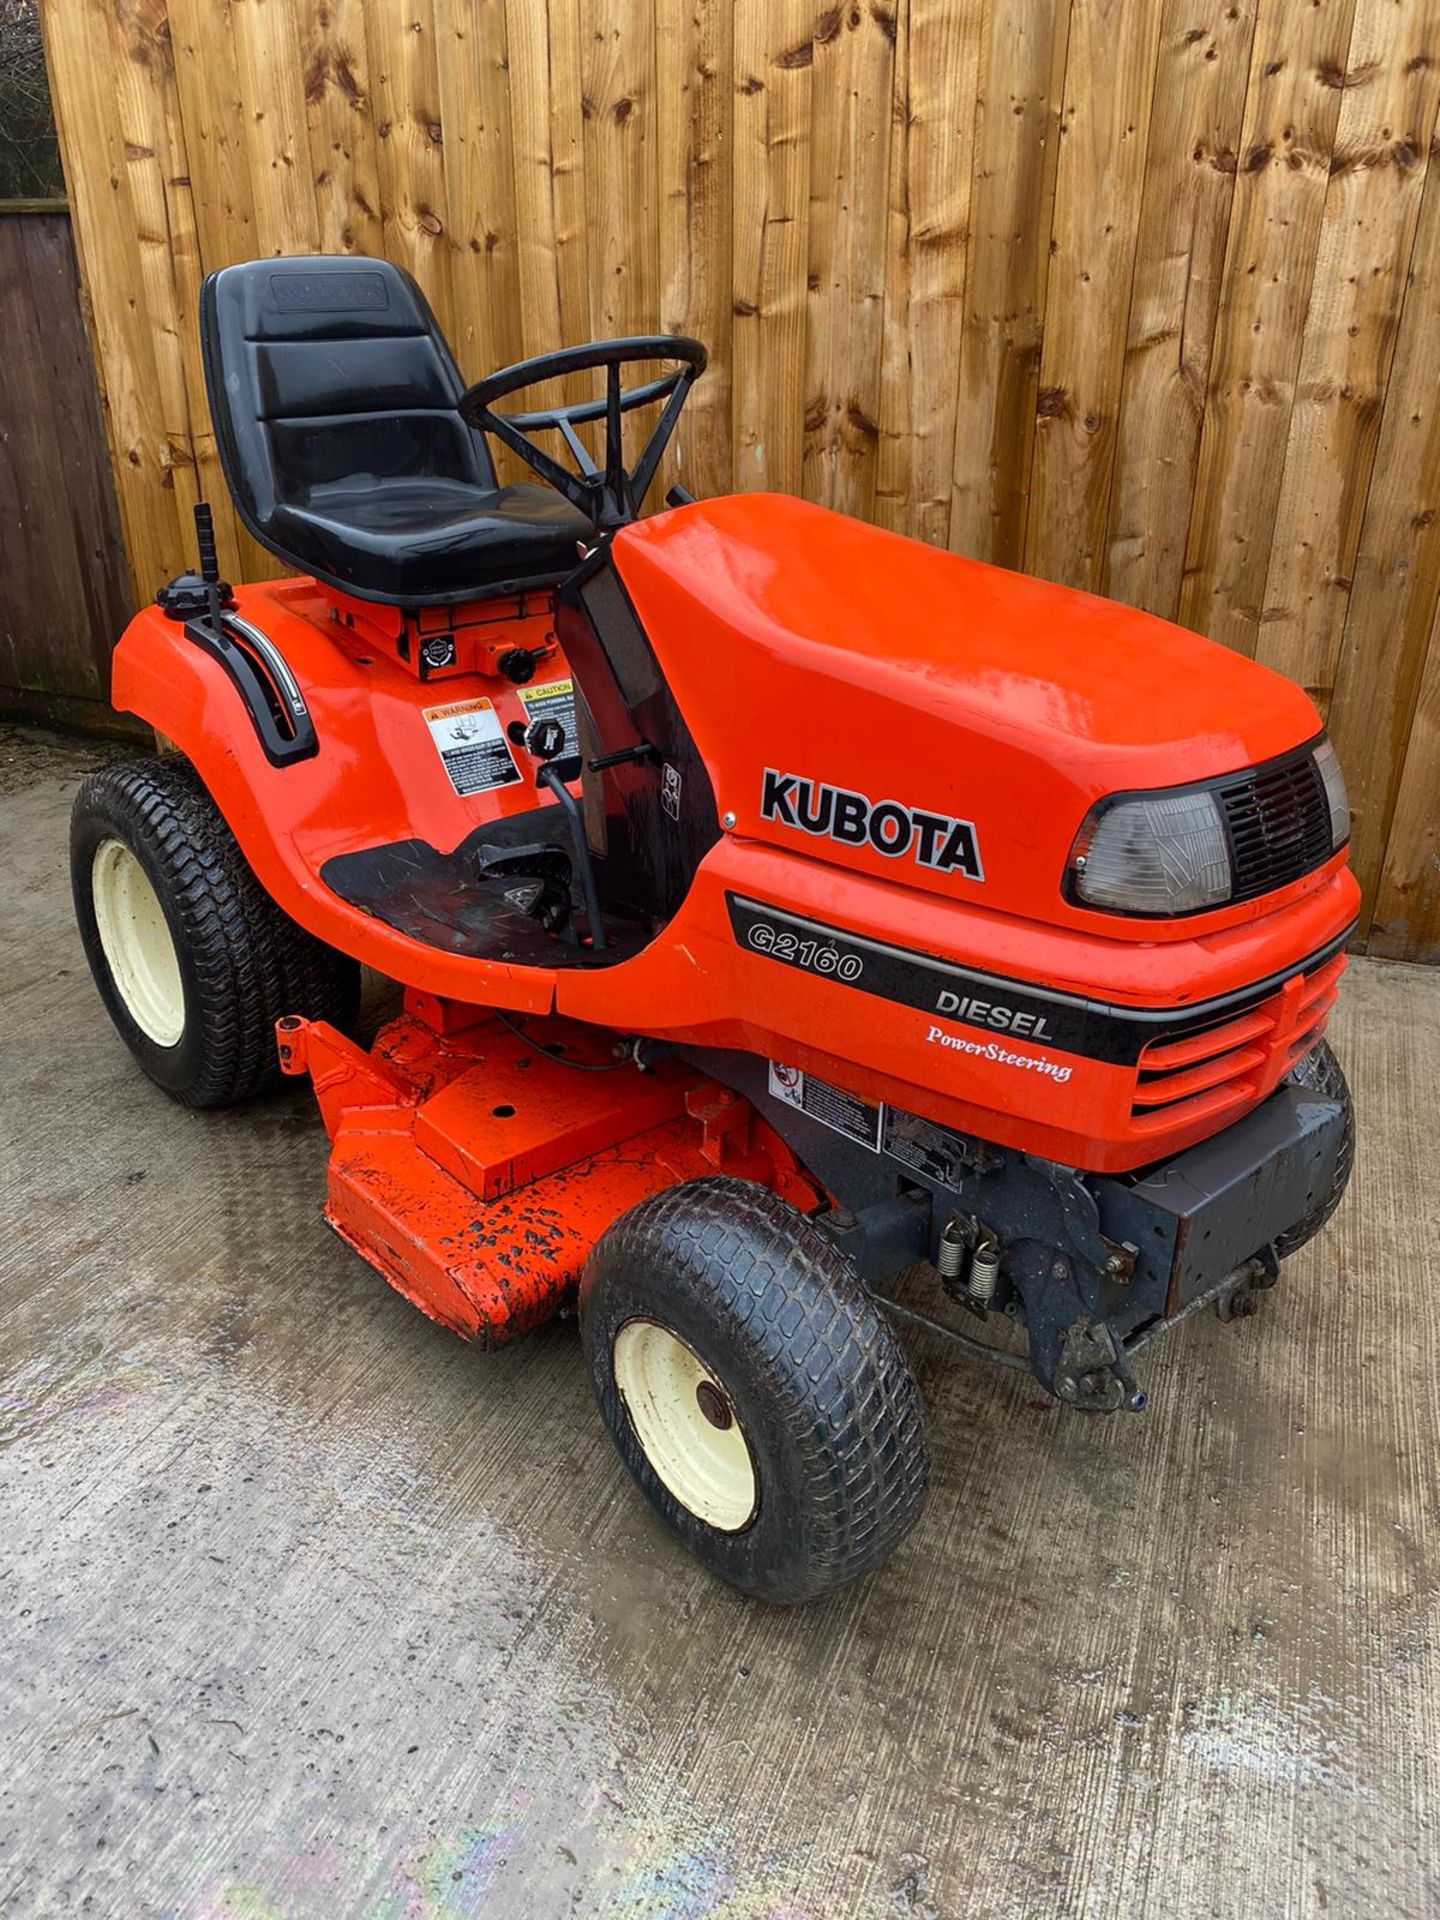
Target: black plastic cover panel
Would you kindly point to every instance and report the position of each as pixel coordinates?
(446, 900)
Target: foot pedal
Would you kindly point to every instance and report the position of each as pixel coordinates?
(543, 873)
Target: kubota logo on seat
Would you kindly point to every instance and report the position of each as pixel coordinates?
(932, 839)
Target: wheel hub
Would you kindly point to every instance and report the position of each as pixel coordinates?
(138, 945)
(714, 1405)
(686, 1424)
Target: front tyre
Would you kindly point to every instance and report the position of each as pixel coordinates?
(755, 1391)
(193, 959)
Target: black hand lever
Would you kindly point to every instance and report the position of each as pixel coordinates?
(550, 776)
(209, 560)
(545, 739)
(643, 754)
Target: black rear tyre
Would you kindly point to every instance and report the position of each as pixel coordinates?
(1322, 1073)
(193, 959)
(754, 1389)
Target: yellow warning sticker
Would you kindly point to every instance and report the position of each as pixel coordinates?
(553, 700)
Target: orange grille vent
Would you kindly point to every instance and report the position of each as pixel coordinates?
(1206, 1075)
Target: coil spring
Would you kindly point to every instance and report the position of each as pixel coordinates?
(984, 1274)
(954, 1245)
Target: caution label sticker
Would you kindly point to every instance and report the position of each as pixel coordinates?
(553, 700)
(831, 1106)
(471, 742)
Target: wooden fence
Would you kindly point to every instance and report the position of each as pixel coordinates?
(63, 586)
(1138, 294)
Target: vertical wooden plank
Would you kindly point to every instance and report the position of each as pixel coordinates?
(405, 84)
(852, 81)
(84, 50)
(933, 121)
(1407, 911)
(1377, 176)
(827, 296)
(341, 127)
(895, 505)
(1190, 163)
(774, 58)
(1023, 49)
(63, 588)
(622, 190)
(210, 217)
(1397, 567)
(473, 44)
(36, 583)
(1109, 82)
(267, 39)
(214, 115)
(75, 434)
(165, 241)
(1297, 81)
(549, 174)
(694, 64)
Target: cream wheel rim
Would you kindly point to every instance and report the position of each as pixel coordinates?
(138, 945)
(686, 1424)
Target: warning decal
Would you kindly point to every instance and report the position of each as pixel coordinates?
(553, 700)
(472, 743)
(934, 1151)
(831, 1106)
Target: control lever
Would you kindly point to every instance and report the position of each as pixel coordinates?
(641, 755)
(545, 740)
(209, 561)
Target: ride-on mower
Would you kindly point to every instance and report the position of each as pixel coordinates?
(778, 903)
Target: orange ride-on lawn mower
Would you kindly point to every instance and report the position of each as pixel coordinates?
(778, 903)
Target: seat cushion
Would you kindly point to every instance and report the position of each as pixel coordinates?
(427, 538)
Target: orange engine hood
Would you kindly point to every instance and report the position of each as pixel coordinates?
(799, 641)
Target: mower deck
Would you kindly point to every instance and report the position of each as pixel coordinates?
(475, 1165)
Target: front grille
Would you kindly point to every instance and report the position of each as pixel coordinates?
(1278, 819)
(1205, 1075)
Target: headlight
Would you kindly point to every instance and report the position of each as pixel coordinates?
(1234, 838)
(1327, 764)
(1159, 854)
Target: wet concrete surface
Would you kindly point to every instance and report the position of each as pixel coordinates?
(310, 1611)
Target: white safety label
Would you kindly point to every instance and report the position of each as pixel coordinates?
(471, 742)
(831, 1106)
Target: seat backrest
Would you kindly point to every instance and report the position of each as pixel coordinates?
(324, 369)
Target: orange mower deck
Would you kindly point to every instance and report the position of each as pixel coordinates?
(475, 1169)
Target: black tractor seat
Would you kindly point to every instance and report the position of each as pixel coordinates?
(335, 402)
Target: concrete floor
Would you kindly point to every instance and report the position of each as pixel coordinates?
(309, 1611)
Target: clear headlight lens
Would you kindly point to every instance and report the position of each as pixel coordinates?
(1328, 763)
(1165, 853)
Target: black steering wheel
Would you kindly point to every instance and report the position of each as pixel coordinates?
(608, 496)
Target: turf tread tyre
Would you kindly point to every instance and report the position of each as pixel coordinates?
(1322, 1073)
(826, 1395)
(244, 963)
